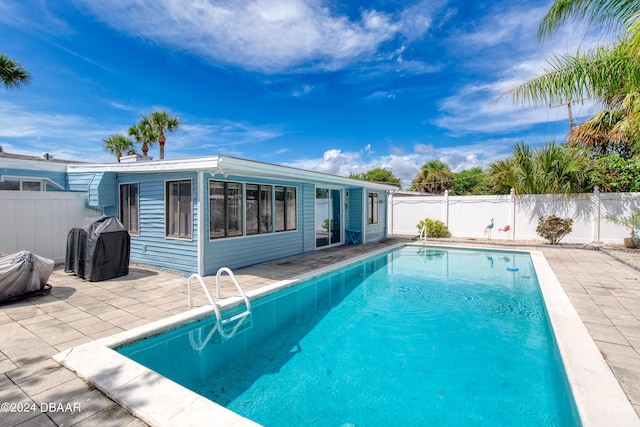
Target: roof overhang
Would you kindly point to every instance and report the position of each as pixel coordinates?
(226, 166)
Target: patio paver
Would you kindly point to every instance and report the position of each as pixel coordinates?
(604, 290)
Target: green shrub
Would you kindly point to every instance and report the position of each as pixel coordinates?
(554, 228)
(434, 228)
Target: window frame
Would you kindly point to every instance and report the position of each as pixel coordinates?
(373, 214)
(167, 213)
(262, 189)
(287, 218)
(21, 184)
(121, 206)
(226, 209)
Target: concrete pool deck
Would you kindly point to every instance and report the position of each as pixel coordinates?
(604, 291)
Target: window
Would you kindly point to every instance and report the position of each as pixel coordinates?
(21, 185)
(179, 217)
(259, 207)
(286, 208)
(373, 208)
(129, 207)
(225, 209)
(226, 212)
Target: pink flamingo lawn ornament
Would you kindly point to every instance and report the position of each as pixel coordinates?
(488, 228)
(505, 229)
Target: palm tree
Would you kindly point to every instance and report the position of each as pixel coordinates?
(118, 144)
(12, 74)
(434, 177)
(550, 169)
(143, 133)
(162, 122)
(609, 74)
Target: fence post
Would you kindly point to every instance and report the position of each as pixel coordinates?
(446, 208)
(512, 212)
(596, 220)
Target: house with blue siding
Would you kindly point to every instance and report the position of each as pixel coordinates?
(200, 214)
(29, 173)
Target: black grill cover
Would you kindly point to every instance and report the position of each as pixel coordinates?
(98, 249)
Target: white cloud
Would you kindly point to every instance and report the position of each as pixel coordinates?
(380, 95)
(303, 91)
(406, 165)
(262, 35)
(417, 19)
(503, 26)
(512, 56)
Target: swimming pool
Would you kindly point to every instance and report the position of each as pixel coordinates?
(160, 401)
(417, 336)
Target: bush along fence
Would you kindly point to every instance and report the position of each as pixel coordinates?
(516, 217)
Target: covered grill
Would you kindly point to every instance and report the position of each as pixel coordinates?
(98, 249)
(24, 274)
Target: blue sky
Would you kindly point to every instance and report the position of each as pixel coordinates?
(325, 85)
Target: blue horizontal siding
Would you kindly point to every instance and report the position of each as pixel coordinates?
(151, 246)
(378, 232)
(307, 213)
(80, 181)
(103, 190)
(59, 178)
(245, 251)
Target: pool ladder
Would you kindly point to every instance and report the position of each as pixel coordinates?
(227, 326)
(423, 235)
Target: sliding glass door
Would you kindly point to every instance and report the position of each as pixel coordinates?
(328, 224)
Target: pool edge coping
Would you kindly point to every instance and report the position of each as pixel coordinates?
(159, 401)
(598, 395)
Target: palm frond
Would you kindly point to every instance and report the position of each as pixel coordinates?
(602, 74)
(12, 74)
(613, 16)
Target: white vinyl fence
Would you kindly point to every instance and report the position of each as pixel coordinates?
(469, 216)
(39, 221)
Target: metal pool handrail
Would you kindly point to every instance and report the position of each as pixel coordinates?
(220, 322)
(423, 234)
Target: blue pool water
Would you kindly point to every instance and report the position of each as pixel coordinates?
(417, 336)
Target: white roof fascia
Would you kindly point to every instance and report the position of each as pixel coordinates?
(230, 166)
(196, 163)
(40, 165)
